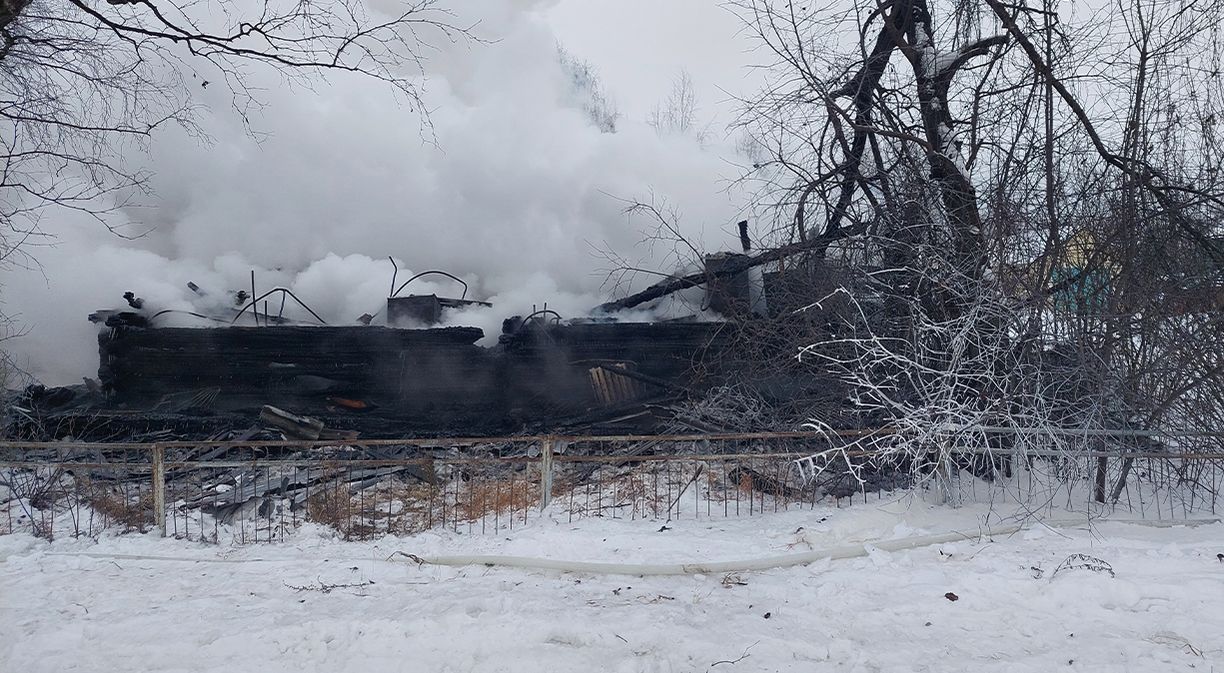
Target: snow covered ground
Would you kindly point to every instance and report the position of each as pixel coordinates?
(315, 603)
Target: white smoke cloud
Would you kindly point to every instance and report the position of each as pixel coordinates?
(512, 190)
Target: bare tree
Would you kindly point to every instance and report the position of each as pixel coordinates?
(677, 114)
(1019, 256)
(588, 90)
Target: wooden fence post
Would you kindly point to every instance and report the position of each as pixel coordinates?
(546, 472)
(159, 488)
(1102, 467)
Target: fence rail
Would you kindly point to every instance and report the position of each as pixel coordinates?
(258, 491)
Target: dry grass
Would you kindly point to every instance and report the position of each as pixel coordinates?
(133, 514)
(746, 484)
(330, 507)
(402, 508)
(630, 491)
(334, 507)
(641, 491)
(388, 508)
(491, 497)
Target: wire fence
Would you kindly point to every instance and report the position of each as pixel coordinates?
(245, 492)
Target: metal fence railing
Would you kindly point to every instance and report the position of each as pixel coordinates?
(254, 491)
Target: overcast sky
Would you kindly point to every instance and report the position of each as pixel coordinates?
(519, 194)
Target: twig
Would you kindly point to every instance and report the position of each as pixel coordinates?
(742, 657)
(328, 588)
(673, 503)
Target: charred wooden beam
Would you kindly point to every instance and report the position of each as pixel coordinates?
(731, 268)
(294, 426)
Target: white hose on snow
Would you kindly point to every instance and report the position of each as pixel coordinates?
(743, 565)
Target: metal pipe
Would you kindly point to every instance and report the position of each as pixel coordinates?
(253, 300)
(191, 313)
(426, 273)
(394, 275)
(283, 290)
(556, 316)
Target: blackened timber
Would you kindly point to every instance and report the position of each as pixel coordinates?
(739, 265)
(399, 381)
(298, 368)
(299, 427)
(548, 367)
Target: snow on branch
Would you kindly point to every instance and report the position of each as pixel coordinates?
(947, 63)
(947, 372)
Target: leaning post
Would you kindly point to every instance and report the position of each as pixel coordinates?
(159, 488)
(546, 472)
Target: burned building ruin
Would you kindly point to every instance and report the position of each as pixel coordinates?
(413, 376)
(541, 373)
(420, 374)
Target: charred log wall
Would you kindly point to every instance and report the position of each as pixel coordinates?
(409, 371)
(408, 380)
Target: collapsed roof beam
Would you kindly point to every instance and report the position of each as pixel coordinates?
(732, 268)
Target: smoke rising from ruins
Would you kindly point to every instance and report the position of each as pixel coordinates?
(512, 187)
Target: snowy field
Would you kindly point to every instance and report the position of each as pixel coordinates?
(314, 603)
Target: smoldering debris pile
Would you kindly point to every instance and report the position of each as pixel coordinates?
(542, 376)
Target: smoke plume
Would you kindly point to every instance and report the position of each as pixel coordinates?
(512, 186)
